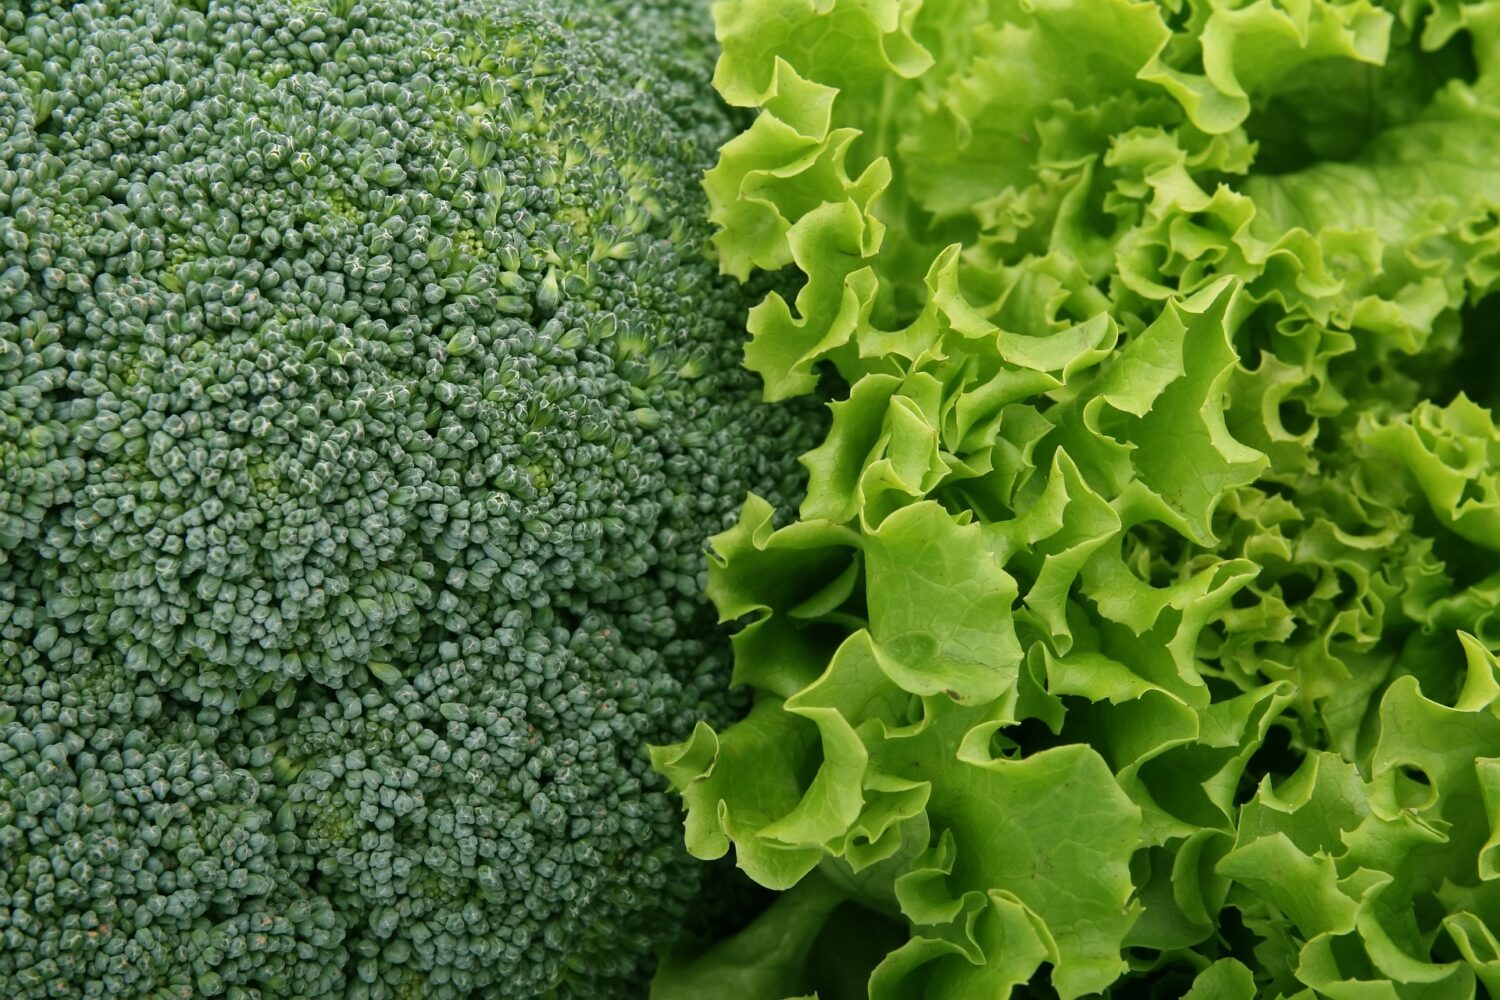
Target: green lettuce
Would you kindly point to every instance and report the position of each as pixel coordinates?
(1137, 633)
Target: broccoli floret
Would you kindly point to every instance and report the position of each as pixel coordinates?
(134, 860)
(366, 386)
(487, 819)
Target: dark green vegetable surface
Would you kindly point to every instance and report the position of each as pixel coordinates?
(366, 390)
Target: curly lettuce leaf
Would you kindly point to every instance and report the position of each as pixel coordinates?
(1137, 636)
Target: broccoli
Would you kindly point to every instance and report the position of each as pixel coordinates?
(366, 388)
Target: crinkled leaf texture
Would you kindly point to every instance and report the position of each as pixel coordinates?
(1137, 634)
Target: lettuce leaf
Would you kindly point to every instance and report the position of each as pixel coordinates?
(1137, 633)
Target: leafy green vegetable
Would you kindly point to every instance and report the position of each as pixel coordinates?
(1138, 632)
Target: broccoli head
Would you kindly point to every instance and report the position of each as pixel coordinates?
(366, 386)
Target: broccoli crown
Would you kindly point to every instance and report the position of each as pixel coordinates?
(366, 385)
